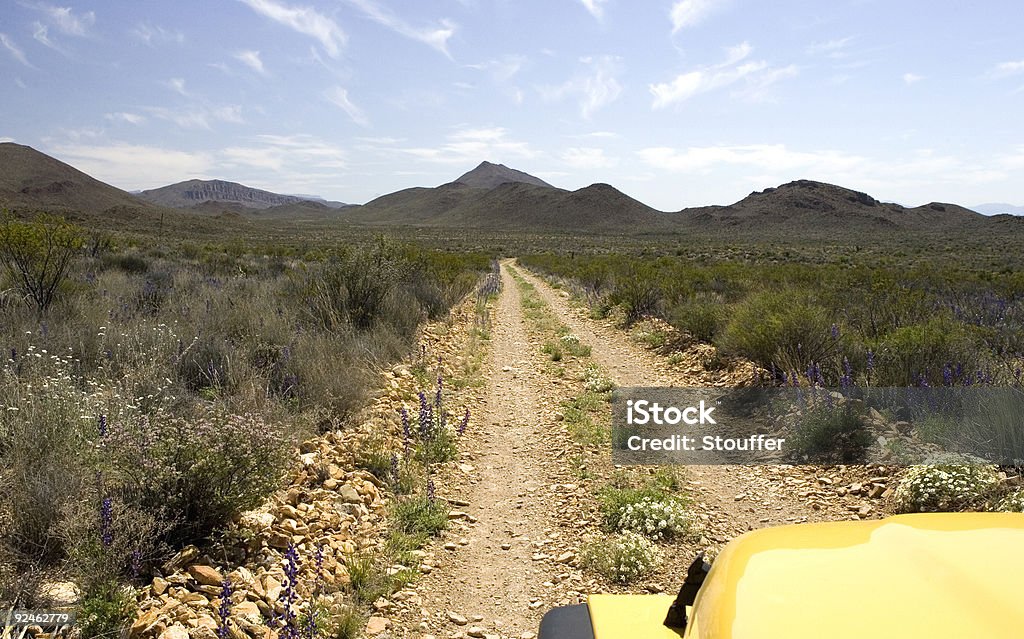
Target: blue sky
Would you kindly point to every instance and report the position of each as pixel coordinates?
(677, 103)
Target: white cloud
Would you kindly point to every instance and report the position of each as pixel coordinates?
(688, 13)
(436, 37)
(912, 78)
(767, 157)
(199, 117)
(587, 158)
(41, 33)
(133, 166)
(177, 85)
(473, 145)
(150, 34)
(306, 21)
(501, 69)
(123, 116)
(338, 96)
(1006, 69)
(14, 50)
(595, 7)
(252, 60)
(596, 86)
(835, 48)
(66, 21)
(292, 154)
(757, 76)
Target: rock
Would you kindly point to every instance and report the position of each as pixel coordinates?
(349, 494)
(177, 631)
(528, 635)
(159, 586)
(206, 575)
(565, 557)
(61, 594)
(184, 557)
(144, 623)
(248, 610)
(476, 631)
(377, 625)
(457, 619)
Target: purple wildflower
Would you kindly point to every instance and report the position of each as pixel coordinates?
(101, 423)
(430, 491)
(835, 331)
(425, 415)
(106, 520)
(947, 374)
(464, 424)
(394, 468)
(135, 562)
(291, 573)
(225, 609)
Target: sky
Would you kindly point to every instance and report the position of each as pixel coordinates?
(675, 102)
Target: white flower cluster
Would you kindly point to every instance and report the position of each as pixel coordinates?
(624, 558)
(1012, 503)
(570, 340)
(944, 487)
(655, 518)
(595, 381)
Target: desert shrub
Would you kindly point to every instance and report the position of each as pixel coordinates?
(701, 315)
(419, 514)
(638, 295)
(657, 518)
(154, 292)
(910, 353)
(553, 350)
(787, 329)
(579, 414)
(38, 255)
(130, 263)
(198, 473)
(204, 364)
(943, 487)
(621, 559)
(105, 611)
(1012, 503)
(830, 434)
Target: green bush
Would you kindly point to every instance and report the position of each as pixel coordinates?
(908, 353)
(701, 315)
(787, 329)
(105, 611)
(830, 434)
(38, 255)
(419, 514)
(198, 473)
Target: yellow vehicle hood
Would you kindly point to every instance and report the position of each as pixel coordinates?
(927, 576)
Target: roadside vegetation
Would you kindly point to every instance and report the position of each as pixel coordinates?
(150, 392)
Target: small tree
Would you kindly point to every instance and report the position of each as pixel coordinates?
(38, 255)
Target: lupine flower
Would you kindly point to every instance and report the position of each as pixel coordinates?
(394, 467)
(135, 562)
(425, 417)
(291, 573)
(225, 609)
(102, 425)
(846, 380)
(106, 520)
(430, 491)
(437, 397)
(464, 424)
(947, 374)
(835, 331)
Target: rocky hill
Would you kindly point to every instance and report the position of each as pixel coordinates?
(194, 192)
(488, 175)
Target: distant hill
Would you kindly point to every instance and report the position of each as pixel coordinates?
(999, 208)
(488, 176)
(813, 207)
(31, 180)
(191, 193)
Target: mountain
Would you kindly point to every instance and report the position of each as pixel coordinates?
(812, 207)
(191, 193)
(31, 180)
(488, 176)
(998, 209)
